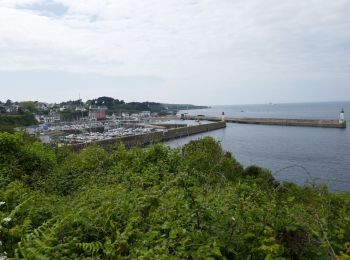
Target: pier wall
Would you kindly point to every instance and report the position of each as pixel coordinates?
(276, 121)
(155, 137)
(291, 122)
(169, 126)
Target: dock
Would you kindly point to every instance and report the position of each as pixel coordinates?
(275, 121)
(156, 137)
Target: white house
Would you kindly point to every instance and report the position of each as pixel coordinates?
(145, 113)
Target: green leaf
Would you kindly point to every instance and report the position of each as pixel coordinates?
(291, 199)
(217, 251)
(173, 234)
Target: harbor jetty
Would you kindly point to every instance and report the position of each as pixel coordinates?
(156, 137)
(273, 121)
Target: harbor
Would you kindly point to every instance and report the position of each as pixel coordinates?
(155, 136)
(132, 132)
(306, 154)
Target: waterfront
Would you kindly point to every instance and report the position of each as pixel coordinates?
(313, 154)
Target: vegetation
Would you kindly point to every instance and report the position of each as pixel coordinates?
(183, 106)
(116, 105)
(28, 106)
(9, 121)
(72, 115)
(196, 202)
(76, 109)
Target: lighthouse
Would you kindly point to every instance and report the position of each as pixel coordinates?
(341, 116)
(223, 116)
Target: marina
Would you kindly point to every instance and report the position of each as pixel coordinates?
(132, 132)
(154, 136)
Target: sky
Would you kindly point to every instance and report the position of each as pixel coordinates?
(204, 52)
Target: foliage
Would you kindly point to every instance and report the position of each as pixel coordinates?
(69, 115)
(7, 128)
(116, 105)
(8, 121)
(197, 202)
(22, 159)
(28, 106)
(109, 102)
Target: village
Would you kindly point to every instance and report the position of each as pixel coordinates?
(102, 119)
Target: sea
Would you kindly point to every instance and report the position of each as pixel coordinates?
(303, 155)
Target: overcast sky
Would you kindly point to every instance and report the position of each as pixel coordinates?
(179, 51)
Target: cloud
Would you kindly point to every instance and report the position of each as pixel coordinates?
(223, 41)
(47, 8)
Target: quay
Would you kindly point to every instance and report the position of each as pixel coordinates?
(155, 137)
(274, 121)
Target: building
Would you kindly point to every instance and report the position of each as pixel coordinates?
(41, 106)
(53, 117)
(341, 116)
(80, 108)
(2, 109)
(145, 114)
(63, 108)
(12, 108)
(97, 113)
(223, 116)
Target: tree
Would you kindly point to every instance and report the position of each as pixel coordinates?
(24, 159)
(28, 106)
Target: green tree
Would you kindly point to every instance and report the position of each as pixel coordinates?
(28, 106)
(23, 159)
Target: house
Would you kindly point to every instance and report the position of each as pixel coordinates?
(80, 108)
(69, 107)
(12, 108)
(40, 119)
(41, 106)
(53, 117)
(97, 113)
(145, 114)
(2, 109)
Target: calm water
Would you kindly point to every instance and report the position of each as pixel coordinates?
(298, 154)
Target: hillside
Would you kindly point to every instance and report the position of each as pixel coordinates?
(9, 121)
(197, 202)
(116, 105)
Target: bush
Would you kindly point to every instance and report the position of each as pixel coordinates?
(22, 159)
(159, 203)
(17, 120)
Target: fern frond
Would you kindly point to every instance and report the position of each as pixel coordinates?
(91, 248)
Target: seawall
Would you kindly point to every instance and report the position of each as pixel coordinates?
(276, 121)
(155, 137)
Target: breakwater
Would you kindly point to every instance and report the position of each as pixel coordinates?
(275, 121)
(156, 137)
